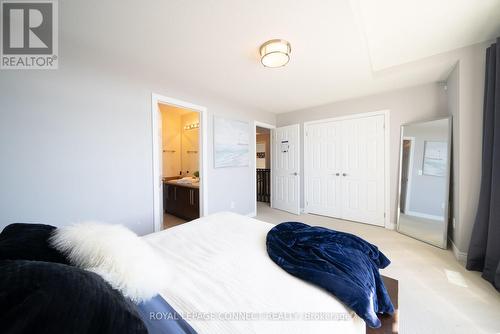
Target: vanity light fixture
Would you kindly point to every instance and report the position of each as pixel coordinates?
(191, 126)
(275, 53)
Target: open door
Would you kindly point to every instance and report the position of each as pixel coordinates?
(158, 206)
(286, 169)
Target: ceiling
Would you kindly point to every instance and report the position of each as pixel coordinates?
(262, 131)
(402, 31)
(173, 109)
(340, 48)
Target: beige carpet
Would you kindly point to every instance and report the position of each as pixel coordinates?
(436, 293)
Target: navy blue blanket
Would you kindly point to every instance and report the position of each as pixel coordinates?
(342, 263)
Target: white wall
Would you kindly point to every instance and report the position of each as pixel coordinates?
(406, 105)
(171, 141)
(466, 95)
(76, 144)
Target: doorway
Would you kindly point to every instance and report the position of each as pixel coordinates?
(263, 165)
(179, 161)
(263, 152)
(406, 171)
(180, 164)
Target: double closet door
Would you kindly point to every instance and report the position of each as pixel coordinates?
(345, 175)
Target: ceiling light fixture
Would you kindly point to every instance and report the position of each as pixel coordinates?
(275, 53)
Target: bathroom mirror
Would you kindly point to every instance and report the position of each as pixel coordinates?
(424, 180)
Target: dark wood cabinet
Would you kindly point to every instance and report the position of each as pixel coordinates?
(181, 201)
(169, 197)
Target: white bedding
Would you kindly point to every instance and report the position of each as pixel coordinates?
(220, 266)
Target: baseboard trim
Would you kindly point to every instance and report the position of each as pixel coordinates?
(460, 256)
(251, 214)
(390, 226)
(424, 215)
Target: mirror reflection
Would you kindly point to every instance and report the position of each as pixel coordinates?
(424, 180)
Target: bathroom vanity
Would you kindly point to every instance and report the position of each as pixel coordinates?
(181, 199)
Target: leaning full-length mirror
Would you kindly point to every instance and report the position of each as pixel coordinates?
(424, 172)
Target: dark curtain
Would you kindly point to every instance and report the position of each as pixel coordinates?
(484, 249)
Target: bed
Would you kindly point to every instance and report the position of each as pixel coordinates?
(224, 282)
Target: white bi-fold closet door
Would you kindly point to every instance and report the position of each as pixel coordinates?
(345, 169)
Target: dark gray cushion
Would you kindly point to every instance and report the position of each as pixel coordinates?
(29, 242)
(52, 298)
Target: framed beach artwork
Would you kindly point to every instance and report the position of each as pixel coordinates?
(231, 143)
(435, 155)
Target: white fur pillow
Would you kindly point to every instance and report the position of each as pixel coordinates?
(117, 254)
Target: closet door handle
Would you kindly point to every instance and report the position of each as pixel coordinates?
(175, 193)
(337, 174)
(344, 174)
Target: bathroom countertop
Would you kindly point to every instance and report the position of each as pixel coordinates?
(186, 185)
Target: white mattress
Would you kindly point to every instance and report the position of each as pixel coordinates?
(221, 272)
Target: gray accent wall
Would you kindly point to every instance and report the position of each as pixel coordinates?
(465, 103)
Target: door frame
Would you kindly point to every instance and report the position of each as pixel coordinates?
(410, 167)
(254, 131)
(387, 153)
(203, 157)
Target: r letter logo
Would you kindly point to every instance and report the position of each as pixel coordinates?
(29, 35)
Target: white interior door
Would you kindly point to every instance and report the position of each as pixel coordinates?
(286, 169)
(363, 170)
(345, 165)
(323, 161)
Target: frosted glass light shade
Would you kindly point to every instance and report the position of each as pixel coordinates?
(275, 53)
